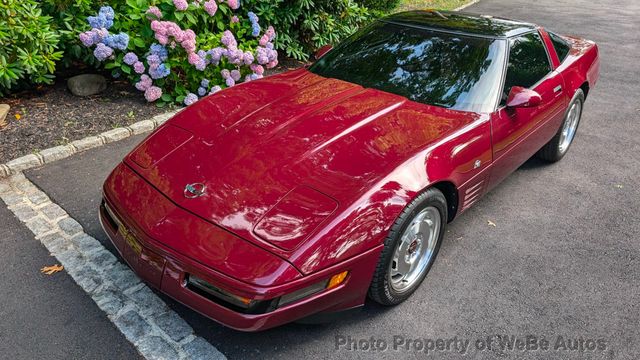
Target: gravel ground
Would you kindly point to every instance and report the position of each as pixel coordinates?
(51, 115)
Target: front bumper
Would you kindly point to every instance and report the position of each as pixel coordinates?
(168, 271)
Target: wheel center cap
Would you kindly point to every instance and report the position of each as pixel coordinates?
(413, 246)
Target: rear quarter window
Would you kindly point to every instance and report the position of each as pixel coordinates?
(561, 46)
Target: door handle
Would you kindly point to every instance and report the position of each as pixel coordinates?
(557, 89)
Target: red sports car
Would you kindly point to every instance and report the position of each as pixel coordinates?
(305, 192)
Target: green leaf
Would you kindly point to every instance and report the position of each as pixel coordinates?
(166, 97)
(126, 69)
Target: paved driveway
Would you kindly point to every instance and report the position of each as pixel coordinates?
(561, 263)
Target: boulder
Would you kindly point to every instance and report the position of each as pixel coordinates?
(87, 84)
(4, 110)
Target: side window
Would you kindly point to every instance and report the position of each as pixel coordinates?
(528, 63)
(561, 46)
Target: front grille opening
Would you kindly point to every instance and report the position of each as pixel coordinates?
(227, 300)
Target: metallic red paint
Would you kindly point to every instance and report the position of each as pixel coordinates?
(304, 177)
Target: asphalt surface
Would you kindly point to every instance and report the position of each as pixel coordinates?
(48, 317)
(562, 261)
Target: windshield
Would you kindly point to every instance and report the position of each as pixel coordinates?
(436, 68)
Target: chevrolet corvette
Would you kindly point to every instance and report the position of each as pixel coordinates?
(306, 192)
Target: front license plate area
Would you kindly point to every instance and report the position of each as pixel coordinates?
(130, 239)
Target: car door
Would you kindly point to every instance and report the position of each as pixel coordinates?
(518, 133)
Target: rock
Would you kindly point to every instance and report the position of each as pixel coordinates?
(4, 110)
(87, 84)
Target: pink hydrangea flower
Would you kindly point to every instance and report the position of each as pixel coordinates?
(153, 93)
(234, 4)
(181, 5)
(235, 19)
(272, 64)
(155, 11)
(258, 69)
(138, 67)
(211, 7)
(144, 83)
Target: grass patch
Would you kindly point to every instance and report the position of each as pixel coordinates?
(406, 5)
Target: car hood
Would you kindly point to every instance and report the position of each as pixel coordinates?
(288, 150)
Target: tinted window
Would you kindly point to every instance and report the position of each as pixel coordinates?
(528, 62)
(561, 46)
(431, 67)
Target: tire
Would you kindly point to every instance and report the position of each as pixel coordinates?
(559, 145)
(427, 211)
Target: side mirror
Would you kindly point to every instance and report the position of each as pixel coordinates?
(521, 97)
(323, 51)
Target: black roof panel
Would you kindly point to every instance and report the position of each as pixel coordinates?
(482, 25)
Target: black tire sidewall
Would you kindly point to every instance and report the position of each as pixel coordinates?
(386, 295)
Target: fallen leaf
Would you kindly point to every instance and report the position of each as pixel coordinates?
(18, 116)
(491, 223)
(50, 270)
(3, 123)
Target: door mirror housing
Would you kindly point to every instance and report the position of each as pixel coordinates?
(522, 97)
(323, 51)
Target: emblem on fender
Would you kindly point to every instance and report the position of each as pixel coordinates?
(195, 190)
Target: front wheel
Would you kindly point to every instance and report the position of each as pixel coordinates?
(410, 249)
(555, 149)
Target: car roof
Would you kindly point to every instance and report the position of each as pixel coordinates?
(460, 22)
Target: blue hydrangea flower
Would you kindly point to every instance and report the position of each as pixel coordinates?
(160, 51)
(190, 99)
(119, 41)
(108, 12)
(255, 27)
(202, 91)
(159, 72)
(204, 83)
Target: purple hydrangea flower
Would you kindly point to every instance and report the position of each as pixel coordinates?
(225, 73)
(204, 83)
(202, 91)
(230, 82)
(144, 83)
(153, 93)
(248, 58)
(181, 5)
(153, 59)
(159, 71)
(235, 75)
(138, 67)
(211, 7)
(215, 89)
(215, 55)
(102, 52)
(190, 99)
(130, 58)
(229, 40)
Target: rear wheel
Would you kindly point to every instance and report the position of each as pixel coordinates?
(410, 249)
(555, 149)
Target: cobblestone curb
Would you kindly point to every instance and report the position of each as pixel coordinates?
(145, 320)
(15, 166)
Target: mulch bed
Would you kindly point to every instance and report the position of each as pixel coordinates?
(51, 115)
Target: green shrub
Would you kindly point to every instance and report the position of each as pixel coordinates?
(28, 46)
(178, 50)
(379, 5)
(306, 25)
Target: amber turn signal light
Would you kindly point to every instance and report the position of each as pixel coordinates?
(337, 279)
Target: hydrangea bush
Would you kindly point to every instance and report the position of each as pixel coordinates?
(176, 51)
